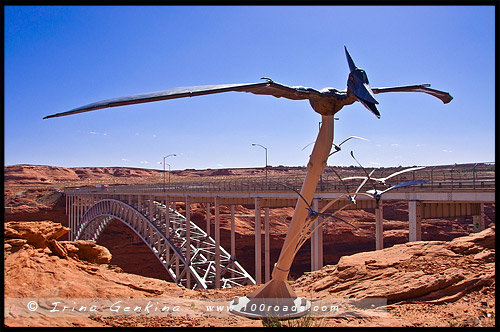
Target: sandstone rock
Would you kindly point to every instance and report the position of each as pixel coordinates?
(88, 250)
(31, 272)
(473, 243)
(425, 270)
(486, 255)
(35, 233)
(16, 242)
(57, 248)
(71, 249)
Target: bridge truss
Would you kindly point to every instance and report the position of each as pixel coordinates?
(188, 253)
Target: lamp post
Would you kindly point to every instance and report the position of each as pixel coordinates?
(174, 155)
(255, 144)
(168, 175)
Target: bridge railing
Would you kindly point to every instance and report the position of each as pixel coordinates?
(454, 177)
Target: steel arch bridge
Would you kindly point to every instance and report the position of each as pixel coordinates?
(189, 263)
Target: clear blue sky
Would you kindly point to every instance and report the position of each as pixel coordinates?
(59, 58)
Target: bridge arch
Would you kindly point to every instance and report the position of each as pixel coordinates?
(171, 252)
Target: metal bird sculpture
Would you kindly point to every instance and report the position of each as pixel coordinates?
(352, 198)
(335, 146)
(383, 180)
(377, 194)
(326, 101)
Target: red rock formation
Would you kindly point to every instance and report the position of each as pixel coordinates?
(431, 271)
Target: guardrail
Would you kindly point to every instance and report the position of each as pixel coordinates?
(457, 177)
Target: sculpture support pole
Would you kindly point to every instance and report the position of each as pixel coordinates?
(277, 287)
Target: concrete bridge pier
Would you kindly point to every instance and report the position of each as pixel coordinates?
(188, 241)
(478, 221)
(233, 240)
(258, 242)
(415, 221)
(267, 263)
(167, 225)
(217, 243)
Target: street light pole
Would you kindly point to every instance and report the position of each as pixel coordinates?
(255, 144)
(168, 170)
(168, 176)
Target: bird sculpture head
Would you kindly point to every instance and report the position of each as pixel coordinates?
(358, 84)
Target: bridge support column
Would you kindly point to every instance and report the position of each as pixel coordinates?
(478, 220)
(258, 245)
(79, 210)
(174, 227)
(379, 226)
(70, 218)
(208, 218)
(217, 245)
(151, 209)
(267, 263)
(167, 224)
(317, 242)
(188, 242)
(233, 240)
(139, 203)
(75, 212)
(68, 213)
(74, 220)
(415, 220)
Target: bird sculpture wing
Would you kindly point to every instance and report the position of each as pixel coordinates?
(404, 184)
(263, 88)
(350, 137)
(444, 96)
(307, 145)
(365, 178)
(404, 171)
(357, 177)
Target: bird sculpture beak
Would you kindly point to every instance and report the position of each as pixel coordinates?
(350, 62)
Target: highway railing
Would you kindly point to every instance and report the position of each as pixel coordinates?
(446, 178)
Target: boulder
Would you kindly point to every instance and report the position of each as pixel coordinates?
(474, 243)
(16, 242)
(88, 251)
(57, 248)
(36, 233)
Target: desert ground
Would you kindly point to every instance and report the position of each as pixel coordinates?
(445, 280)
